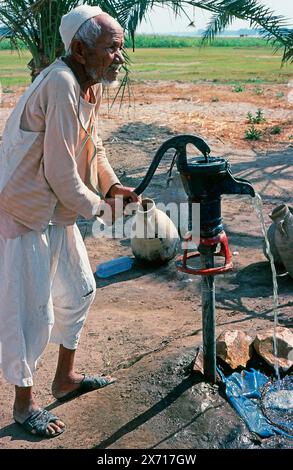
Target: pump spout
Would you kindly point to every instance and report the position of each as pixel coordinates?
(232, 185)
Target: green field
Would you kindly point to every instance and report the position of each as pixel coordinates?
(226, 61)
(13, 69)
(221, 64)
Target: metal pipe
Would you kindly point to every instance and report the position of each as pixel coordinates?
(208, 313)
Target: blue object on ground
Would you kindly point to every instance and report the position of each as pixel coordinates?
(243, 390)
(114, 266)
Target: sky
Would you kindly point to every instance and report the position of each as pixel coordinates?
(162, 20)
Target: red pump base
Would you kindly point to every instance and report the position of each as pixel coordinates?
(221, 238)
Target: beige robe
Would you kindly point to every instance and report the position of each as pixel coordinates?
(52, 162)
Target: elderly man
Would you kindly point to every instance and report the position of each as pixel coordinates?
(52, 164)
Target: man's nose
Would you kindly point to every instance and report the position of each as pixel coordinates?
(119, 57)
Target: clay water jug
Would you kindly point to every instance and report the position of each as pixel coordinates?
(282, 217)
(154, 237)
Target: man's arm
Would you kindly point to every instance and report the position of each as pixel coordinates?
(61, 139)
(108, 183)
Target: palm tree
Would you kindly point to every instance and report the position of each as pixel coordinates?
(36, 23)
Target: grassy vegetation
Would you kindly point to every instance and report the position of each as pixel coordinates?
(238, 60)
(221, 64)
(6, 44)
(154, 41)
(13, 68)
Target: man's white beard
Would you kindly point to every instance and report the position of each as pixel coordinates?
(110, 84)
(104, 81)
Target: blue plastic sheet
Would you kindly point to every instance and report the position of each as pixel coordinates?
(243, 390)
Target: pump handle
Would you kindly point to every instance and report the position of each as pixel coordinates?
(179, 143)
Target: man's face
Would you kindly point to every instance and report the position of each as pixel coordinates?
(104, 61)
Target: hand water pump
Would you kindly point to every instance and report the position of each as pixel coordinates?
(205, 180)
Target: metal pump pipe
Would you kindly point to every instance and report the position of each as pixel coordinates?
(208, 314)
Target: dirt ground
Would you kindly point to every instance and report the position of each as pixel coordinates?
(145, 325)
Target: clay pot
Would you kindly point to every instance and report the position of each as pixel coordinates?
(154, 237)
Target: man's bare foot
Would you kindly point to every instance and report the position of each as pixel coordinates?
(22, 413)
(61, 386)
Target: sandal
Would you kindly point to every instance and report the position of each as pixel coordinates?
(88, 384)
(37, 423)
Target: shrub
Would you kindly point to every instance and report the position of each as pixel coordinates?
(252, 133)
(258, 118)
(238, 88)
(275, 130)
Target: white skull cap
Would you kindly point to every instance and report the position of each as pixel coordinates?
(72, 21)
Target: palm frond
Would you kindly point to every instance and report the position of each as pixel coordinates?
(273, 27)
(130, 13)
(218, 23)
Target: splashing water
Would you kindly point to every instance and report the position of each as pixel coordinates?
(277, 403)
(281, 400)
(258, 207)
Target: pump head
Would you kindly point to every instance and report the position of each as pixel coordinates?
(204, 180)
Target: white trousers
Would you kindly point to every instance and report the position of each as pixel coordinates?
(46, 289)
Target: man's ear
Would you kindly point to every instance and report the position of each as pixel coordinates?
(78, 51)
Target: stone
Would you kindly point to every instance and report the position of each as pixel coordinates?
(234, 347)
(264, 346)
